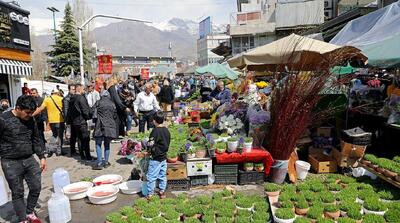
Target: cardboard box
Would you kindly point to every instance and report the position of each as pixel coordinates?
(324, 131)
(321, 163)
(344, 161)
(176, 171)
(199, 167)
(351, 150)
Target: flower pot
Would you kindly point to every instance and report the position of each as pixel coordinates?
(278, 220)
(379, 170)
(247, 150)
(366, 211)
(220, 151)
(191, 155)
(343, 213)
(365, 162)
(332, 215)
(248, 145)
(172, 160)
(397, 178)
(232, 146)
(200, 153)
(273, 193)
(249, 168)
(301, 211)
(389, 173)
(259, 168)
(279, 171)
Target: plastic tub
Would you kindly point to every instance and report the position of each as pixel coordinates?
(94, 198)
(302, 169)
(108, 179)
(131, 187)
(72, 190)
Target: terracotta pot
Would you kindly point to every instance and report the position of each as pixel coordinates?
(273, 193)
(343, 213)
(365, 162)
(172, 160)
(379, 170)
(397, 178)
(389, 173)
(374, 166)
(332, 215)
(200, 153)
(301, 211)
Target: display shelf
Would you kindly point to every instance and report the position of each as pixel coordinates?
(383, 177)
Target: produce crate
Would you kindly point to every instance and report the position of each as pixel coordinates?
(226, 179)
(321, 163)
(356, 136)
(176, 171)
(178, 185)
(251, 177)
(226, 169)
(199, 180)
(199, 167)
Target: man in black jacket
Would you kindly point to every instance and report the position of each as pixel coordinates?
(78, 114)
(122, 110)
(73, 136)
(19, 140)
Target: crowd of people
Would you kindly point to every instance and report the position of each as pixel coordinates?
(107, 111)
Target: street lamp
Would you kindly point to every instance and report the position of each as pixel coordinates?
(80, 28)
(54, 10)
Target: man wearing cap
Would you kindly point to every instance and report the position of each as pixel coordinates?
(53, 104)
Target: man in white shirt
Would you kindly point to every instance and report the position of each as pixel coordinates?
(146, 105)
(92, 95)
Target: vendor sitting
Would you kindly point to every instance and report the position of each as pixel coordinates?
(220, 95)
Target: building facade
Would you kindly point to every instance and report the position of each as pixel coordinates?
(204, 46)
(125, 66)
(15, 50)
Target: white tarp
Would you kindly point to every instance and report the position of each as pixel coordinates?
(377, 34)
(44, 86)
(299, 13)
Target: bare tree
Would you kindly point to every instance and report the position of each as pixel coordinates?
(39, 58)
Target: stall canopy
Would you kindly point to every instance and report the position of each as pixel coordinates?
(218, 70)
(293, 52)
(377, 34)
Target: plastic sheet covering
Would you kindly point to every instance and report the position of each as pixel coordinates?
(377, 34)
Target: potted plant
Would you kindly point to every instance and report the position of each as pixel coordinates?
(248, 166)
(200, 152)
(301, 207)
(150, 212)
(317, 187)
(373, 218)
(345, 206)
(345, 220)
(220, 147)
(113, 217)
(171, 215)
(366, 193)
(261, 216)
(248, 144)
(233, 143)
(315, 212)
(244, 203)
(374, 206)
(259, 167)
(334, 188)
(368, 159)
(272, 190)
(328, 198)
(392, 215)
(286, 204)
(189, 212)
(331, 211)
(172, 156)
(284, 215)
(388, 195)
(355, 214)
(302, 220)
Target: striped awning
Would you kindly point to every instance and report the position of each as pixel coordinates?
(14, 67)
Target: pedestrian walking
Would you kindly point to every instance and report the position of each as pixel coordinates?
(54, 107)
(145, 105)
(105, 130)
(122, 110)
(41, 118)
(5, 106)
(70, 134)
(78, 114)
(127, 98)
(159, 139)
(166, 96)
(19, 140)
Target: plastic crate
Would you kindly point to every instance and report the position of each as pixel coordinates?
(199, 180)
(226, 169)
(178, 185)
(226, 179)
(251, 177)
(356, 136)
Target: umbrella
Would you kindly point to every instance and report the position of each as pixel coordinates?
(218, 70)
(295, 52)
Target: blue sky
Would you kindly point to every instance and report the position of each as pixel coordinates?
(151, 10)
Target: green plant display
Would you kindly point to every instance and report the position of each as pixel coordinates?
(325, 220)
(315, 212)
(248, 139)
(171, 215)
(302, 204)
(261, 216)
(286, 204)
(373, 204)
(331, 208)
(334, 187)
(346, 220)
(392, 215)
(354, 213)
(285, 213)
(233, 139)
(271, 187)
(317, 187)
(244, 202)
(151, 212)
(372, 218)
(327, 198)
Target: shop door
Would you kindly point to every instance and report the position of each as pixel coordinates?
(4, 90)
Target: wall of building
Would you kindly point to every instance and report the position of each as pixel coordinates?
(204, 46)
(300, 13)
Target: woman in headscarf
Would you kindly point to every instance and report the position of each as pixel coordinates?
(105, 130)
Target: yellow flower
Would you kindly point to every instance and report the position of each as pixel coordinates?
(262, 84)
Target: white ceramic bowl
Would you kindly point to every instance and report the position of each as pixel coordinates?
(97, 199)
(114, 179)
(73, 192)
(131, 187)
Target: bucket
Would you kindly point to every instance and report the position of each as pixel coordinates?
(145, 192)
(302, 169)
(278, 171)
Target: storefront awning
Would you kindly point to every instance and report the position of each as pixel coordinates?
(14, 67)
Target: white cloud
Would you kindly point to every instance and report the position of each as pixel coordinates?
(43, 26)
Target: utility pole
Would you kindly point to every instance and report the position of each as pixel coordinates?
(80, 28)
(54, 10)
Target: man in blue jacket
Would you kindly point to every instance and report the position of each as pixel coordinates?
(220, 95)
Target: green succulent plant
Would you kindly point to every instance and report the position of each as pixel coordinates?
(347, 179)
(190, 211)
(127, 210)
(285, 213)
(389, 194)
(289, 188)
(261, 206)
(373, 218)
(244, 213)
(303, 187)
(318, 187)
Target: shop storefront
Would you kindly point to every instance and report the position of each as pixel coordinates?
(15, 50)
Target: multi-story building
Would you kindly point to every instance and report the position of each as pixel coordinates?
(206, 44)
(259, 22)
(15, 48)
